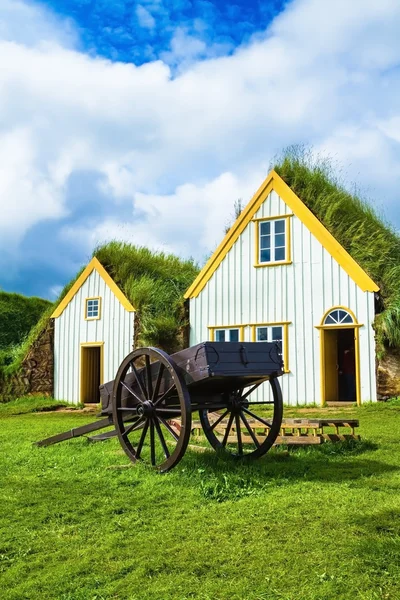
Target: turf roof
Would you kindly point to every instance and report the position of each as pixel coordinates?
(366, 235)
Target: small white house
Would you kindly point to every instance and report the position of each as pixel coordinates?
(280, 275)
(93, 332)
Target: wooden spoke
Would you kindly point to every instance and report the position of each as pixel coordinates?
(249, 429)
(148, 377)
(136, 425)
(158, 382)
(228, 428)
(261, 420)
(165, 395)
(251, 390)
(167, 411)
(213, 426)
(139, 381)
(239, 434)
(168, 426)
(130, 390)
(141, 441)
(152, 444)
(161, 438)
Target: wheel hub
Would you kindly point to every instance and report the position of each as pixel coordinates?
(146, 409)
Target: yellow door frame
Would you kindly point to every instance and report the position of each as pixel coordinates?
(81, 373)
(356, 326)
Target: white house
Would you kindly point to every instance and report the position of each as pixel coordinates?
(93, 332)
(280, 275)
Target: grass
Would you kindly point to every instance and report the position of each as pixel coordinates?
(309, 524)
(18, 314)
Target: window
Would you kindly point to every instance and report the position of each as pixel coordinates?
(227, 335)
(274, 333)
(338, 316)
(92, 308)
(273, 241)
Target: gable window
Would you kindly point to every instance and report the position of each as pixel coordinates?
(227, 335)
(92, 308)
(273, 241)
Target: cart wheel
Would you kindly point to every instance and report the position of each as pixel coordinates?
(151, 408)
(245, 428)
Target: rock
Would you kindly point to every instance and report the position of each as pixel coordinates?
(388, 375)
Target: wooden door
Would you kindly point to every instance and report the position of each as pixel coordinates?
(90, 374)
(331, 365)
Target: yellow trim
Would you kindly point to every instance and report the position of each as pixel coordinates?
(276, 183)
(339, 307)
(86, 307)
(356, 326)
(288, 253)
(82, 375)
(272, 218)
(213, 329)
(94, 265)
(253, 326)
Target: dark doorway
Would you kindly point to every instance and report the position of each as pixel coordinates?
(339, 365)
(91, 358)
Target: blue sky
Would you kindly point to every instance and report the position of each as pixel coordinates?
(131, 31)
(145, 121)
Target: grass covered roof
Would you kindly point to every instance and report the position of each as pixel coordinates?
(154, 282)
(366, 235)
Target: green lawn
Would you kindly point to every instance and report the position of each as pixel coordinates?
(318, 523)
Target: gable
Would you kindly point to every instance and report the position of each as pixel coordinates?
(275, 183)
(94, 265)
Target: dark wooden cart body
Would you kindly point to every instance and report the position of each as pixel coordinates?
(153, 391)
(210, 369)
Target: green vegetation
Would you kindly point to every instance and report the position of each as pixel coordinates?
(33, 404)
(18, 314)
(154, 282)
(368, 238)
(310, 524)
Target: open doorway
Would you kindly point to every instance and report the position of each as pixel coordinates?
(91, 372)
(339, 362)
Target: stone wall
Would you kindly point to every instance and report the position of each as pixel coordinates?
(38, 366)
(36, 375)
(388, 375)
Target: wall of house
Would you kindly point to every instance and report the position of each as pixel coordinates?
(301, 293)
(115, 328)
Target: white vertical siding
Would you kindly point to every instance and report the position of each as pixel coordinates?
(301, 292)
(115, 328)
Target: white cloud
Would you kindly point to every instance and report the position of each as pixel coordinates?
(145, 18)
(183, 149)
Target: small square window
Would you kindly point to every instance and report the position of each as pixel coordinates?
(92, 308)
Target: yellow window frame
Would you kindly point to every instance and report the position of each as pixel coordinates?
(288, 255)
(212, 329)
(285, 338)
(86, 309)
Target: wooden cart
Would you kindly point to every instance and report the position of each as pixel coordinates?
(151, 400)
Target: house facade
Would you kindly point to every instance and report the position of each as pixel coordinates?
(280, 275)
(93, 332)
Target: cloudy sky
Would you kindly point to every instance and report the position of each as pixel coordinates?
(145, 120)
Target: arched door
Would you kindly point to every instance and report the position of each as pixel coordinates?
(340, 372)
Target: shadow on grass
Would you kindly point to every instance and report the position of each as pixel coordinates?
(222, 478)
